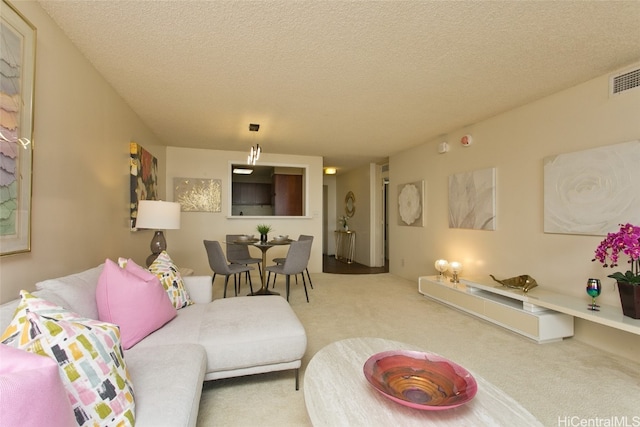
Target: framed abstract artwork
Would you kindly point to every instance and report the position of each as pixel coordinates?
(591, 191)
(472, 200)
(17, 73)
(143, 178)
(411, 204)
(198, 195)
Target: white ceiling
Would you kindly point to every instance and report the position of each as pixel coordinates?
(352, 81)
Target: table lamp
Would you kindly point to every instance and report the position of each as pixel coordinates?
(441, 265)
(158, 215)
(455, 267)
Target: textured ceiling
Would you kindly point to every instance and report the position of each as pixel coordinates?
(353, 82)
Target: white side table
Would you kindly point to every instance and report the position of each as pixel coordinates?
(184, 271)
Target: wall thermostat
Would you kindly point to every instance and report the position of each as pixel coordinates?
(466, 140)
(443, 147)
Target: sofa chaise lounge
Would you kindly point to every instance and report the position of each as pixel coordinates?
(205, 341)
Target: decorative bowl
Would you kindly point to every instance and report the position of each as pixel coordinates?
(420, 380)
(243, 237)
(281, 238)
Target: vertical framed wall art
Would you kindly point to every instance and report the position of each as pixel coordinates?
(411, 204)
(17, 74)
(591, 191)
(143, 180)
(472, 200)
(198, 195)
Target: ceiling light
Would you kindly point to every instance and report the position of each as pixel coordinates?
(254, 154)
(242, 171)
(330, 171)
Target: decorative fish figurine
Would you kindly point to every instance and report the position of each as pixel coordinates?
(524, 282)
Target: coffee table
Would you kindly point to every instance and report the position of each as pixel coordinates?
(336, 393)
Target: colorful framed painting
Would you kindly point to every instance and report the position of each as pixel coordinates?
(411, 204)
(592, 191)
(198, 195)
(472, 200)
(143, 180)
(17, 56)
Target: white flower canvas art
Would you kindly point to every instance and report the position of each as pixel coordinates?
(472, 200)
(411, 204)
(591, 191)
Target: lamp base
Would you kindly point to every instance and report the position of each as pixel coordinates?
(158, 244)
(150, 259)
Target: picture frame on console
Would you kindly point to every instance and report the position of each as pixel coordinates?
(18, 54)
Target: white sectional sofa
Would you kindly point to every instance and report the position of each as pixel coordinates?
(205, 341)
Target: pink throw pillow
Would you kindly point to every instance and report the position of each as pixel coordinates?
(134, 301)
(31, 391)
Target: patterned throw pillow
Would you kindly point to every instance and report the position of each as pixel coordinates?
(16, 334)
(90, 360)
(171, 280)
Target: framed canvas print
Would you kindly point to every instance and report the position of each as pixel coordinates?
(17, 73)
(591, 191)
(411, 204)
(472, 200)
(143, 178)
(198, 195)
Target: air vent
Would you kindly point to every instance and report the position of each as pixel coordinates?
(625, 81)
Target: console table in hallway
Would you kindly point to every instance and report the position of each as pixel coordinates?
(345, 245)
(337, 393)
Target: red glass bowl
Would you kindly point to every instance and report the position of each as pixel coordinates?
(420, 380)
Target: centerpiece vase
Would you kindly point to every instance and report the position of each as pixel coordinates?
(263, 238)
(629, 299)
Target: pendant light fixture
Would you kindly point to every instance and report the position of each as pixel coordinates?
(254, 154)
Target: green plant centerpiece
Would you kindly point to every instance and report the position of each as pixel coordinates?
(627, 242)
(263, 229)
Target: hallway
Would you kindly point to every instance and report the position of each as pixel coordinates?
(331, 265)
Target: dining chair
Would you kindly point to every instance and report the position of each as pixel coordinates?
(239, 253)
(295, 263)
(219, 265)
(281, 260)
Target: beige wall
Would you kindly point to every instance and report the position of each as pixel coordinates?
(185, 245)
(515, 143)
(82, 130)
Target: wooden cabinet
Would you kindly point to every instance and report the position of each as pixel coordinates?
(287, 195)
(249, 193)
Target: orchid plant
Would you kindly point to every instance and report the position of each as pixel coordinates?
(627, 241)
(344, 221)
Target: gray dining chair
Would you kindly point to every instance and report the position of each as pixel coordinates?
(239, 253)
(219, 265)
(295, 263)
(281, 260)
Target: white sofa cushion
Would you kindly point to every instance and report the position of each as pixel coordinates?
(77, 290)
(168, 380)
(244, 332)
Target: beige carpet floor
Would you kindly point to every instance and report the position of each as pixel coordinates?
(563, 384)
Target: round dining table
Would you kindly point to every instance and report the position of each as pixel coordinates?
(264, 247)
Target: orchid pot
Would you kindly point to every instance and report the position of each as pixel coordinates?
(627, 242)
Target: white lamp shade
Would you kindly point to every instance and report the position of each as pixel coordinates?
(441, 265)
(158, 215)
(455, 267)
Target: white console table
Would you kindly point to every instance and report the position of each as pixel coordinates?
(345, 245)
(540, 314)
(509, 308)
